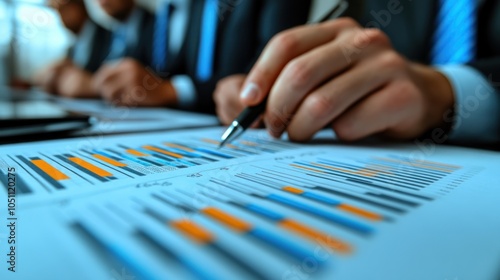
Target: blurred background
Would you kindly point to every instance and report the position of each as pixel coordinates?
(32, 35)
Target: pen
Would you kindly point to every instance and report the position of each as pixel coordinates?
(250, 114)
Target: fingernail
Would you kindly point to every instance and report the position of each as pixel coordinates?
(251, 92)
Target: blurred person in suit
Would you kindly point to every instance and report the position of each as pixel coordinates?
(72, 75)
(196, 43)
(406, 69)
(131, 38)
(133, 33)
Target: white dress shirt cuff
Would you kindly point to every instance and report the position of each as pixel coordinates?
(477, 106)
(186, 91)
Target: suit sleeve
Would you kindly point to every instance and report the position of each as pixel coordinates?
(490, 68)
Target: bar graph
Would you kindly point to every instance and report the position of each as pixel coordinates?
(54, 170)
(175, 205)
(280, 208)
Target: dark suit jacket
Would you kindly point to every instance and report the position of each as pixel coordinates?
(244, 28)
(98, 40)
(102, 39)
(142, 49)
(411, 31)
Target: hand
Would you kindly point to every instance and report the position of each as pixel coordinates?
(340, 74)
(47, 79)
(227, 98)
(129, 83)
(74, 82)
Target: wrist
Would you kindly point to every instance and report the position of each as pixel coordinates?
(167, 90)
(438, 94)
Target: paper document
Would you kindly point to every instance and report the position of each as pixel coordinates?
(113, 119)
(172, 206)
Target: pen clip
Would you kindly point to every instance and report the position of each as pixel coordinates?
(336, 12)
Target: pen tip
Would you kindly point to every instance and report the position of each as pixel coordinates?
(221, 144)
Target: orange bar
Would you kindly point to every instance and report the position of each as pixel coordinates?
(439, 163)
(317, 236)
(306, 168)
(293, 190)
(194, 231)
(179, 147)
(447, 170)
(136, 153)
(360, 212)
(50, 170)
(367, 172)
(215, 142)
(92, 168)
(161, 151)
(381, 169)
(230, 221)
(361, 172)
(211, 141)
(108, 160)
(248, 143)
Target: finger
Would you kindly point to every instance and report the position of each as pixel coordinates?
(393, 109)
(310, 70)
(335, 97)
(229, 110)
(258, 123)
(226, 98)
(104, 74)
(282, 49)
(225, 118)
(112, 91)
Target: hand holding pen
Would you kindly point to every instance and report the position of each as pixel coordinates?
(345, 76)
(252, 92)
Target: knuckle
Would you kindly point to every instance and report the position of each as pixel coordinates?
(376, 36)
(403, 96)
(128, 63)
(285, 42)
(299, 73)
(393, 60)
(320, 106)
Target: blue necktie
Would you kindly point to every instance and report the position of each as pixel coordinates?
(206, 50)
(161, 35)
(119, 44)
(456, 32)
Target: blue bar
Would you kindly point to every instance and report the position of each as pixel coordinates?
(214, 153)
(353, 225)
(128, 259)
(143, 163)
(184, 162)
(264, 212)
(184, 153)
(281, 244)
(321, 198)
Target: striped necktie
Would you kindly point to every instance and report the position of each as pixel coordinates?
(456, 32)
(206, 51)
(161, 36)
